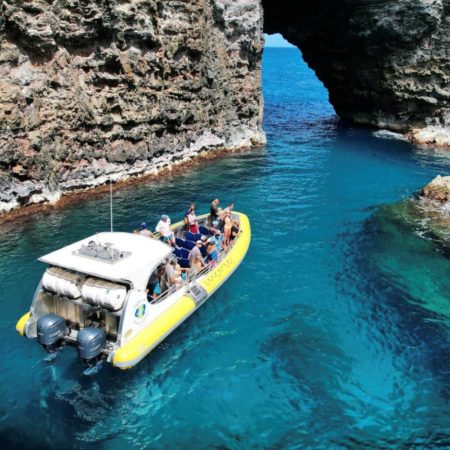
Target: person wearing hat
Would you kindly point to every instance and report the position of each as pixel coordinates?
(195, 251)
(163, 228)
(145, 231)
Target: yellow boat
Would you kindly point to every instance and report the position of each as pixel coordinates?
(93, 295)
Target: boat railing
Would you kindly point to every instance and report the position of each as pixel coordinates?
(178, 226)
(192, 278)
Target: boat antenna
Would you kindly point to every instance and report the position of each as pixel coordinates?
(110, 203)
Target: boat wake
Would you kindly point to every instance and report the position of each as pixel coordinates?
(94, 370)
(51, 357)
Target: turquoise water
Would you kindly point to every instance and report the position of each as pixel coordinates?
(328, 336)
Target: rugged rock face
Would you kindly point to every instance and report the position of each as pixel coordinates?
(386, 63)
(437, 190)
(91, 89)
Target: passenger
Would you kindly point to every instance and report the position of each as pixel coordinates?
(197, 265)
(171, 274)
(204, 239)
(226, 213)
(213, 230)
(192, 220)
(154, 283)
(145, 231)
(181, 274)
(217, 238)
(229, 209)
(227, 231)
(221, 219)
(213, 213)
(212, 253)
(185, 218)
(234, 230)
(196, 251)
(163, 228)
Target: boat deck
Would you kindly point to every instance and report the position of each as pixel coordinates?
(185, 241)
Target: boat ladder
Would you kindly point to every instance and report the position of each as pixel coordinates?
(198, 294)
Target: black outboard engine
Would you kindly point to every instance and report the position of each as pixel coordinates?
(51, 330)
(90, 343)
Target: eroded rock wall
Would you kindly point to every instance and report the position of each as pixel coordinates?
(386, 63)
(92, 89)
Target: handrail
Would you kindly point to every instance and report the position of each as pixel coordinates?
(210, 266)
(177, 226)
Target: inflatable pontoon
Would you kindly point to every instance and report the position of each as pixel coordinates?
(93, 294)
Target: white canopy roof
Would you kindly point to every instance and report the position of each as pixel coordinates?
(141, 255)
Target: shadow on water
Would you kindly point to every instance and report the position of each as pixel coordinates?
(304, 357)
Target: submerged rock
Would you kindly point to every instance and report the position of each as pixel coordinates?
(406, 249)
(406, 246)
(438, 190)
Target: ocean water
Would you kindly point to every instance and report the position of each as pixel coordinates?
(333, 333)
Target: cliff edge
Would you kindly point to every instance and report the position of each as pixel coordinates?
(93, 89)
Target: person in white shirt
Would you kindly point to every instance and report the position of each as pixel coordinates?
(163, 228)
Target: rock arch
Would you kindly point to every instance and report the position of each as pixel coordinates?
(385, 63)
(94, 89)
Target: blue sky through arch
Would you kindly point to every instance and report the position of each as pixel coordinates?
(276, 40)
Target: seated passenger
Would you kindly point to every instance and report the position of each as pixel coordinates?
(212, 253)
(181, 274)
(154, 283)
(196, 251)
(217, 239)
(171, 273)
(197, 265)
(145, 231)
(163, 228)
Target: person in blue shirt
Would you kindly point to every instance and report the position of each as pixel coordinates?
(217, 238)
(212, 254)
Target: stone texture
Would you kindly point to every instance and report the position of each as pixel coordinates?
(438, 189)
(92, 89)
(95, 89)
(386, 63)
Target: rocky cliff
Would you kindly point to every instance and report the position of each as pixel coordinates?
(386, 63)
(92, 89)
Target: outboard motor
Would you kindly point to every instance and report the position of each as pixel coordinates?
(51, 330)
(90, 343)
